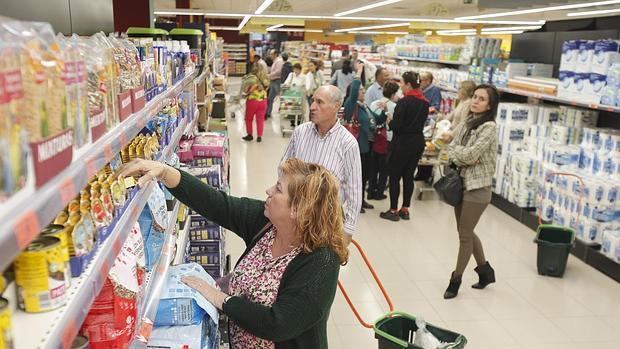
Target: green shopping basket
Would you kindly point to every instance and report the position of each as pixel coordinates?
(396, 330)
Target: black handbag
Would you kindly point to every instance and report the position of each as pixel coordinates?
(450, 187)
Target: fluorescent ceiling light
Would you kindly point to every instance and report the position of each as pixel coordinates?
(263, 7)
(503, 32)
(529, 27)
(377, 33)
(381, 26)
(486, 30)
(243, 22)
(223, 28)
(592, 13)
(273, 27)
(541, 9)
(298, 30)
(367, 7)
(429, 32)
(349, 18)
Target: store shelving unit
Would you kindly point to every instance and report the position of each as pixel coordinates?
(237, 58)
(424, 60)
(556, 99)
(27, 213)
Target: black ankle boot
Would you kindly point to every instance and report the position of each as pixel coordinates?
(453, 287)
(486, 275)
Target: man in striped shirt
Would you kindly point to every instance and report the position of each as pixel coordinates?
(325, 141)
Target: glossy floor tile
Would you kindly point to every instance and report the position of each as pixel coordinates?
(414, 260)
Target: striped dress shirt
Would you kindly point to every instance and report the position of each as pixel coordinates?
(339, 153)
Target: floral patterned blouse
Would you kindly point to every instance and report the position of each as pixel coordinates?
(257, 278)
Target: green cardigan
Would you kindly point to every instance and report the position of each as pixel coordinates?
(298, 318)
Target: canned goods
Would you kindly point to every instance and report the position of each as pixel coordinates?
(40, 276)
(62, 233)
(80, 342)
(6, 337)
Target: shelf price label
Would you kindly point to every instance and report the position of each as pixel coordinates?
(26, 228)
(123, 139)
(67, 190)
(108, 152)
(91, 167)
(68, 334)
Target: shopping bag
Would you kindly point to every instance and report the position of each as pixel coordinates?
(353, 125)
(380, 145)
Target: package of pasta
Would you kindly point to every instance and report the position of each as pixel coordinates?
(74, 77)
(96, 88)
(109, 78)
(43, 109)
(13, 137)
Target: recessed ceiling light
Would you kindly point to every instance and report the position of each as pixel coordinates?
(243, 22)
(263, 7)
(593, 13)
(541, 9)
(367, 7)
(273, 27)
(376, 32)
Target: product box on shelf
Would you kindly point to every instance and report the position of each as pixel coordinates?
(124, 105)
(138, 99)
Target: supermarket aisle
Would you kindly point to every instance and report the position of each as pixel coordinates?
(414, 260)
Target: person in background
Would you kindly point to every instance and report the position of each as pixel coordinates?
(314, 79)
(407, 144)
(343, 77)
(254, 86)
(466, 91)
(369, 68)
(433, 95)
(473, 148)
(287, 68)
(375, 91)
(275, 73)
(280, 292)
(431, 91)
(355, 108)
(261, 61)
(296, 78)
(377, 183)
(325, 141)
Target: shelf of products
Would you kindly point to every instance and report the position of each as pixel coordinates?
(58, 328)
(237, 58)
(155, 281)
(427, 60)
(25, 214)
(556, 99)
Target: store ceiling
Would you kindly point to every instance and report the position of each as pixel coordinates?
(435, 9)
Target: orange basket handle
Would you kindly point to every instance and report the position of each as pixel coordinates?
(542, 194)
(374, 275)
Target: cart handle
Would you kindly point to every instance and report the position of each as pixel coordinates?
(542, 193)
(374, 275)
(388, 336)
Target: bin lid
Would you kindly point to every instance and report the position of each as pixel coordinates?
(185, 31)
(148, 31)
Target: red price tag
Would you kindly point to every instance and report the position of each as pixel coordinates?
(105, 269)
(161, 269)
(117, 247)
(135, 213)
(108, 152)
(91, 167)
(26, 228)
(68, 334)
(67, 190)
(141, 122)
(123, 139)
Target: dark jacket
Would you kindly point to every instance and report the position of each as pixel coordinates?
(298, 318)
(409, 118)
(364, 115)
(287, 68)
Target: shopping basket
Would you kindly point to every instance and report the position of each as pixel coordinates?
(396, 329)
(555, 241)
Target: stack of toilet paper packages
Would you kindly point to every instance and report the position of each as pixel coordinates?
(587, 68)
(610, 246)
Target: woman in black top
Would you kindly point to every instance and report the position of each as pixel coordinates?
(407, 144)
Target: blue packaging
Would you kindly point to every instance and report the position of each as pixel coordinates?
(598, 83)
(178, 312)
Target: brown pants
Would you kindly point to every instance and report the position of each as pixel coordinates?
(467, 216)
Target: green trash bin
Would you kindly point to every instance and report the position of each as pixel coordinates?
(396, 330)
(554, 245)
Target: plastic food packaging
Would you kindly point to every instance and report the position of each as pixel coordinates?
(423, 338)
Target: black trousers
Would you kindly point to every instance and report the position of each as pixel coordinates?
(402, 162)
(367, 169)
(424, 173)
(379, 174)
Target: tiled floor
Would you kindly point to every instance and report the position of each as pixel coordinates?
(414, 260)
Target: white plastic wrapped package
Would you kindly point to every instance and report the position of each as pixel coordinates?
(423, 338)
(183, 311)
(610, 246)
(200, 336)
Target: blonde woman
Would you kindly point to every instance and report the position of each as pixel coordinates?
(282, 288)
(254, 86)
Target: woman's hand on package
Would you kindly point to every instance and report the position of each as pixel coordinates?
(147, 170)
(382, 106)
(211, 294)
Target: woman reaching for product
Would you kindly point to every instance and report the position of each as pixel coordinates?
(473, 148)
(281, 290)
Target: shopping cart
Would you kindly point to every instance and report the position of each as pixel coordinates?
(236, 99)
(291, 109)
(396, 329)
(433, 155)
